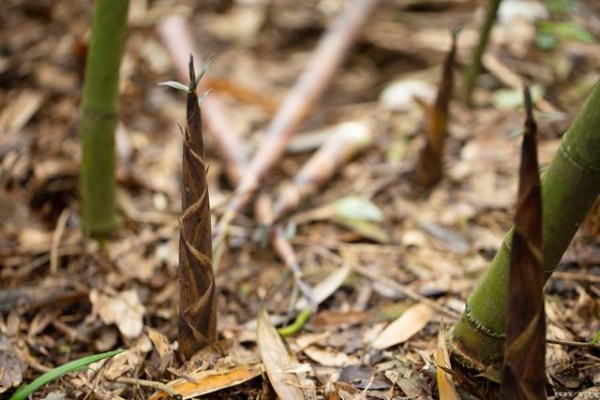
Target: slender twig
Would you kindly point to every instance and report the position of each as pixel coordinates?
(408, 292)
(571, 343)
(181, 375)
(513, 80)
(297, 106)
(284, 249)
(571, 276)
(56, 236)
(141, 241)
(150, 384)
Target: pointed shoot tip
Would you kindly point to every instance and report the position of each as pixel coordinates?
(193, 82)
(527, 102)
(456, 31)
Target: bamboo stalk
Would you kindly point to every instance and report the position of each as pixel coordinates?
(100, 105)
(471, 72)
(570, 186)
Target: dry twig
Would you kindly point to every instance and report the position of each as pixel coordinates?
(296, 107)
(175, 33)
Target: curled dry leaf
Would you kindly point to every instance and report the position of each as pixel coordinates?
(125, 363)
(326, 287)
(123, 309)
(12, 367)
(446, 388)
(210, 381)
(329, 358)
(277, 359)
(406, 326)
(19, 111)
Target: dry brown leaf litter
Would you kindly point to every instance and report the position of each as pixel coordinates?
(439, 242)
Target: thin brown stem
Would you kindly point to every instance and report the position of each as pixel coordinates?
(570, 343)
(301, 100)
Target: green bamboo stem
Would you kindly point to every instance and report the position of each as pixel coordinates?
(570, 186)
(471, 72)
(99, 116)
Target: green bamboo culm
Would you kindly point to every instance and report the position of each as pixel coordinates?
(99, 109)
(472, 70)
(570, 185)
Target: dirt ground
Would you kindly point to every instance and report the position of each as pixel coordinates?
(366, 241)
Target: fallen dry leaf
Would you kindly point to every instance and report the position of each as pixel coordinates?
(446, 388)
(210, 381)
(123, 309)
(19, 111)
(160, 342)
(329, 358)
(130, 360)
(277, 359)
(408, 324)
(326, 287)
(11, 368)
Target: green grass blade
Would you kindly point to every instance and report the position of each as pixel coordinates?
(75, 365)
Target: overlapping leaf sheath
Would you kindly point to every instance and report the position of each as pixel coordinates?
(570, 185)
(524, 372)
(197, 307)
(429, 167)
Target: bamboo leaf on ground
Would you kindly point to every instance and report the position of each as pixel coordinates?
(406, 326)
(277, 359)
(446, 388)
(327, 286)
(209, 382)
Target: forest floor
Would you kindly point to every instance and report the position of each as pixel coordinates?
(63, 296)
